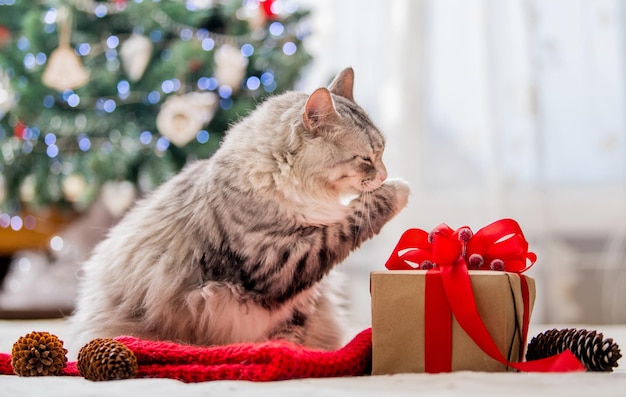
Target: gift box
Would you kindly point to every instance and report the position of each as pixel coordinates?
(399, 328)
(454, 300)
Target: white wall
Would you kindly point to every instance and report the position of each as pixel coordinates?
(497, 108)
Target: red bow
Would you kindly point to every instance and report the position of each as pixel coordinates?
(498, 246)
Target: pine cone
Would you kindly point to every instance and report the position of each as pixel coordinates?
(38, 354)
(106, 359)
(594, 352)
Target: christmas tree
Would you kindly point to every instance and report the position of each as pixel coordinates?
(99, 92)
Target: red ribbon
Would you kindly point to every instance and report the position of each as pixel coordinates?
(447, 254)
(438, 320)
(498, 246)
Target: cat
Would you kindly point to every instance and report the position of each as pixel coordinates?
(239, 247)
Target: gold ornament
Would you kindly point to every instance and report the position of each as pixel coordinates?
(74, 187)
(7, 96)
(3, 189)
(118, 197)
(64, 70)
(27, 189)
(182, 116)
(135, 53)
(230, 66)
(256, 17)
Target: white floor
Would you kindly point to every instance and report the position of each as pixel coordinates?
(452, 384)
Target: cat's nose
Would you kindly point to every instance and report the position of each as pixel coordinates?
(382, 175)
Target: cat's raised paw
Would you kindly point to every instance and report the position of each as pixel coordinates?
(402, 190)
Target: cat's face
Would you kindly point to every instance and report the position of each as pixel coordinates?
(355, 151)
(347, 149)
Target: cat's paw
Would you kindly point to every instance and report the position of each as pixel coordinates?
(402, 191)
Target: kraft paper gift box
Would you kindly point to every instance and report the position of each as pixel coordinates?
(398, 321)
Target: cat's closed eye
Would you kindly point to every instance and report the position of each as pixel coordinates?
(357, 157)
(366, 159)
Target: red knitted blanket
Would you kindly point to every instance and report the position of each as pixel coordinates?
(268, 361)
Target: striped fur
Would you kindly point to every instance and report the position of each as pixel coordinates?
(240, 247)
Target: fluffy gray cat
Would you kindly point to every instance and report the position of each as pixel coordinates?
(236, 248)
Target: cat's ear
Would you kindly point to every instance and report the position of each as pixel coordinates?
(319, 109)
(343, 84)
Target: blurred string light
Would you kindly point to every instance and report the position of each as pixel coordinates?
(57, 243)
(225, 91)
(203, 136)
(187, 32)
(50, 17)
(277, 29)
(74, 136)
(209, 40)
(84, 143)
(145, 137)
(123, 89)
(208, 44)
(30, 222)
(253, 83)
(17, 223)
(113, 42)
(247, 50)
(83, 49)
(207, 83)
(162, 144)
(5, 220)
(226, 103)
(289, 48)
(29, 61)
(48, 101)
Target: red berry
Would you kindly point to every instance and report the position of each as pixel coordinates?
(497, 265)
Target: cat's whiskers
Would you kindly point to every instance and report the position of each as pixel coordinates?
(364, 206)
(368, 199)
(365, 211)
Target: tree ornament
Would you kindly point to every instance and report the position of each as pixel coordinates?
(182, 116)
(121, 4)
(7, 96)
(38, 354)
(230, 66)
(64, 70)
(27, 189)
(205, 102)
(106, 359)
(135, 53)
(3, 188)
(19, 130)
(256, 17)
(5, 36)
(200, 4)
(74, 187)
(594, 352)
(104, 47)
(118, 196)
(266, 5)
